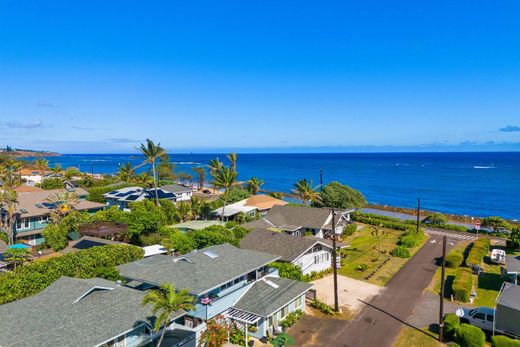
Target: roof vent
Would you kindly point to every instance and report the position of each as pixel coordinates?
(181, 258)
(211, 254)
(38, 205)
(272, 284)
(23, 210)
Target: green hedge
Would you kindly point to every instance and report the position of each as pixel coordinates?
(411, 239)
(468, 335)
(454, 259)
(504, 341)
(451, 322)
(478, 251)
(34, 277)
(385, 222)
(462, 284)
(401, 252)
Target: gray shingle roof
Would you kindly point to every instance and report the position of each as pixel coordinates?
(197, 271)
(290, 216)
(264, 299)
(176, 188)
(513, 263)
(287, 246)
(53, 318)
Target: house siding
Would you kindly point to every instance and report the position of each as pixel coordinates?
(308, 264)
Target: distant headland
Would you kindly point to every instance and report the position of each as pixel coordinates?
(27, 153)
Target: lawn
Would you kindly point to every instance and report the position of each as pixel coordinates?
(410, 337)
(364, 250)
(487, 285)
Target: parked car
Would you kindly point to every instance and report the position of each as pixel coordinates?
(498, 256)
(481, 317)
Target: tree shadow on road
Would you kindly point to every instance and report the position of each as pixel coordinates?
(431, 327)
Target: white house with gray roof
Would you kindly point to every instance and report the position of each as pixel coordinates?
(226, 280)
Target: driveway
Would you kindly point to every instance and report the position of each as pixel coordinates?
(351, 292)
(380, 321)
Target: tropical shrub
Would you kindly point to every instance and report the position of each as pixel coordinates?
(316, 275)
(514, 238)
(216, 333)
(468, 335)
(96, 193)
(454, 259)
(55, 237)
(282, 340)
(33, 278)
(451, 322)
(401, 252)
(291, 319)
(411, 239)
(477, 252)
(462, 284)
(109, 273)
(435, 219)
(495, 223)
(323, 307)
(288, 270)
(362, 267)
(349, 229)
(383, 221)
(213, 235)
(504, 341)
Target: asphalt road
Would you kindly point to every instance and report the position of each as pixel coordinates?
(379, 323)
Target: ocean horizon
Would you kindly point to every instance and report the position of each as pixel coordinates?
(465, 183)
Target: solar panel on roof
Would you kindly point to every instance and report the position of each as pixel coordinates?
(211, 254)
(38, 205)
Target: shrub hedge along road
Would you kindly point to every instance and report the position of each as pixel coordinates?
(478, 252)
(462, 284)
(32, 278)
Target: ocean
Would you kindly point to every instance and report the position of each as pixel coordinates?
(474, 184)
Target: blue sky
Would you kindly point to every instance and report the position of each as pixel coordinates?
(83, 77)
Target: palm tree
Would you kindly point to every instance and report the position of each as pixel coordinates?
(166, 301)
(196, 207)
(201, 176)
(144, 178)
(214, 165)
(232, 157)
(184, 211)
(41, 165)
(56, 169)
(304, 190)
(12, 166)
(126, 172)
(253, 185)
(376, 231)
(63, 203)
(9, 202)
(225, 178)
(152, 152)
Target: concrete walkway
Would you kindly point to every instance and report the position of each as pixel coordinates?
(380, 321)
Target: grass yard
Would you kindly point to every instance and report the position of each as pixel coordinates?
(410, 337)
(364, 250)
(487, 285)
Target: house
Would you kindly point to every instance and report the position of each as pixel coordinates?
(225, 280)
(196, 225)
(124, 196)
(86, 242)
(182, 193)
(311, 254)
(82, 312)
(255, 204)
(300, 220)
(512, 268)
(263, 203)
(33, 211)
(232, 211)
(32, 176)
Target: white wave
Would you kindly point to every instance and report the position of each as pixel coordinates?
(89, 160)
(186, 163)
(483, 167)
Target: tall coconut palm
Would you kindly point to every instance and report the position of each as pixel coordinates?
(42, 165)
(12, 166)
(201, 176)
(232, 157)
(144, 178)
(126, 172)
(197, 205)
(9, 203)
(224, 178)
(63, 203)
(253, 185)
(166, 301)
(304, 190)
(214, 165)
(152, 152)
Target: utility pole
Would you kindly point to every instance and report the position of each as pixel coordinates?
(441, 302)
(334, 261)
(418, 212)
(321, 180)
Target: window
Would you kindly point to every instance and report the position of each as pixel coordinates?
(316, 259)
(326, 256)
(284, 311)
(22, 223)
(43, 219)
(480, 315)
(298, 302)
(490, 318)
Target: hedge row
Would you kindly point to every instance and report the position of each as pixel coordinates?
(477, 252)
(34, 277)
(504, 341)
(451, 322)
(468, 335)
(385, 222)
(462, 284)
(454, 259)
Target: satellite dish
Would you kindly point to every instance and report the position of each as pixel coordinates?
(459, 312)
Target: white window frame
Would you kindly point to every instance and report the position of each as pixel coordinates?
(43, 219)
(24, 223)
